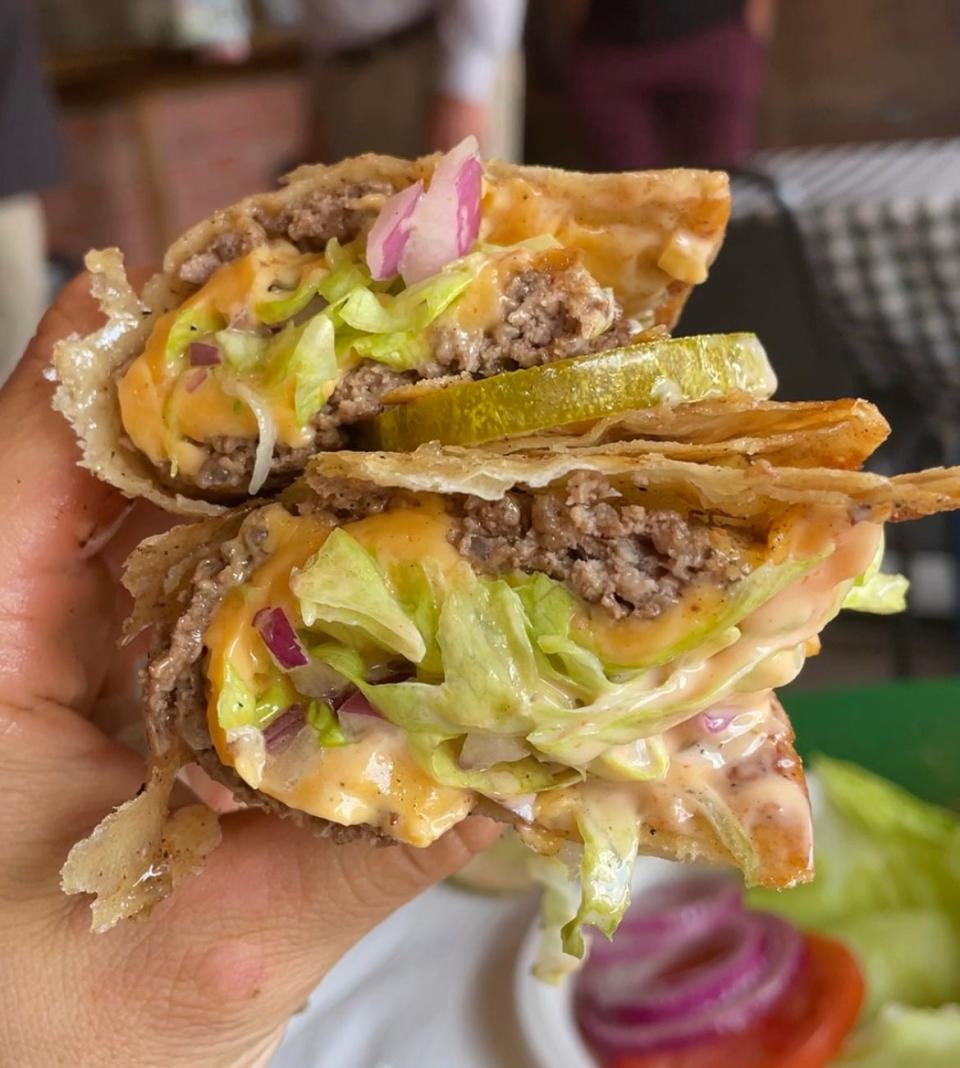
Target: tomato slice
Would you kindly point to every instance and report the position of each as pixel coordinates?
(805, 1030)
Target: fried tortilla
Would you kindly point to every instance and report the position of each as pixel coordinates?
(265, 339)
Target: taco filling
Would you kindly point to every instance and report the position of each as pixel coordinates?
(300, 319)
(593, 657)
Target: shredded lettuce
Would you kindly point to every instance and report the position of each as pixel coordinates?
(881, 594)
(413, 309)
(499, 656)
(191, 324)
(342, 583)
(236, 702)
(610, 827)
(242, 352)
(321, 717)
(559, 876)
(438, 755)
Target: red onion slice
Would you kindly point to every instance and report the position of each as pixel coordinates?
(783, 955)
(446, 220)
(388, 235)
(356, 704)
(356, 715)
(203, 354)
(195, 379)
(280, 638)
(684, 908)
(282, 730)
(716, 721)
(683, 977)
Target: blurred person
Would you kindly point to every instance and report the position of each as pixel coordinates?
(660, 82)
(29, 161)
(408, 76)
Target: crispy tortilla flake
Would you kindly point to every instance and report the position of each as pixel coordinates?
(734, 430)
(137, 855)
(741, 492)
(87, 393)
(650, 235)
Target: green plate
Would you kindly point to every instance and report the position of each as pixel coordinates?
(909, 732)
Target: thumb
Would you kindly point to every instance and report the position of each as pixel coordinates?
(238, 949)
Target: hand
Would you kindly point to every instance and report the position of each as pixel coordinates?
(451, 119)
(212, 977)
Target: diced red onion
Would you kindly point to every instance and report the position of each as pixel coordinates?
(446, 220)
(716, 720)
(282, 730)
(388, 235)
(481, 751)
(712, 1016)
(195, 379)
(356, 714)
(317, 679)
(682, 976)
(280, 638)
(203, 354)
(356, 704)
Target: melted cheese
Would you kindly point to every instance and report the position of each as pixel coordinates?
(639, 263)
(374, 780)
(157, 408)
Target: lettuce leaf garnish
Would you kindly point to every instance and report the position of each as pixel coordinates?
(887, 883)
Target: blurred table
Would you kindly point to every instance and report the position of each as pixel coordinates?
(878, 227)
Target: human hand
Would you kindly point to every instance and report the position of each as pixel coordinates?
(450, 119)
(212, 977)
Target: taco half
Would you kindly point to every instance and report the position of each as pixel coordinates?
(280, 324)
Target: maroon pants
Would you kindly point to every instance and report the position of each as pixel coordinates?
(690, 101)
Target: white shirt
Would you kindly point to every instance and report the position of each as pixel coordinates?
(474, 34)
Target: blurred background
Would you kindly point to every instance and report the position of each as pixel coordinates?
(125, 121)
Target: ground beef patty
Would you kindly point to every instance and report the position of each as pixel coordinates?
(174, 684)
(310, 223)
(629, 559)
(548, 314)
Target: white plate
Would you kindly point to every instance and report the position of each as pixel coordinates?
(545, 1012)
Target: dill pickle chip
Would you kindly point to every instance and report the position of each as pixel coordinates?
(582, 388)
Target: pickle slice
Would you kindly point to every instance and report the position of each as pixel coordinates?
(582, 388)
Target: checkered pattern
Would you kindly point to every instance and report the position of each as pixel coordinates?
(880, 232)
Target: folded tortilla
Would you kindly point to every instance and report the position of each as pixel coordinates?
(568, 263)
(582, 641)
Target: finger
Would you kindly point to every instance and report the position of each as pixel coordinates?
(58, 613)
(244, 943)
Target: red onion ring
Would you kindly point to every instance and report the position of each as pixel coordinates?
(683, 976)
(280, 638)
(389, 234)
(684, 908)
(203, 354)
(730, 1013)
